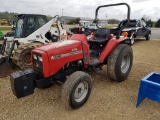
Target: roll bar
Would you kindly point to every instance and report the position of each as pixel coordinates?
(128, 14)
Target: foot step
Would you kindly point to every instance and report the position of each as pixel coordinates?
(94, 62)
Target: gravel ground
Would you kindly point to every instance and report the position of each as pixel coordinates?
(108, 101)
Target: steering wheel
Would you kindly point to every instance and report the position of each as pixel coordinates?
(87, 31)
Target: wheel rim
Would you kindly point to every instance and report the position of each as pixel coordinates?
(125, 63)
(81, 91)
(27, 59)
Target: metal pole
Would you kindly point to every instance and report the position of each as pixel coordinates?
(62, 12)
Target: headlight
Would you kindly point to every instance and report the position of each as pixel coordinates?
(35, 57)
(40, 58)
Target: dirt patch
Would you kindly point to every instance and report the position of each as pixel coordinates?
(109, 100)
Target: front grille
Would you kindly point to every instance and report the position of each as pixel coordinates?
(37, 65)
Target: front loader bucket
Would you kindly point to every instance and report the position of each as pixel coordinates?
(5, 68)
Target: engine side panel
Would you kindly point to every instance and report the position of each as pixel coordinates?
(58, 54)
(62, 56)
(83, 39)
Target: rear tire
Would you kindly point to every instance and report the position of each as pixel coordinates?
(120, 62)
(76, 89)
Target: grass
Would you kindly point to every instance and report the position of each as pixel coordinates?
(109, 26)
(2, 28)
(5, 29)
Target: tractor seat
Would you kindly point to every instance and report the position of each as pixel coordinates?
(100, 37)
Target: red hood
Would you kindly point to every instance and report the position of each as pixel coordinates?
(59, 44)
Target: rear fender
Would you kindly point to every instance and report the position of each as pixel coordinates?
(107, 50)
(109, 47)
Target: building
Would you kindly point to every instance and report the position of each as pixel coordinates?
(102, 22)
(66, 19)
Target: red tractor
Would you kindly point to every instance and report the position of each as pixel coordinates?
(68, 61)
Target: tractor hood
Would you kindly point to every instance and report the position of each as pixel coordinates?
(61, 47)
(58, 54)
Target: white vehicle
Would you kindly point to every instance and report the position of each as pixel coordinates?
(88, 24)
(31, 31)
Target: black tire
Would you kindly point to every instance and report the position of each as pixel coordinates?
(148, 36)
(121, 55)
(76, 82)
(24, 57)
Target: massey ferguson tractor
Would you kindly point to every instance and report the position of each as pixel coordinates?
(31, 31)
(68, 62)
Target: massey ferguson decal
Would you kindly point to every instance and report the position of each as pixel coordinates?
(66, 54)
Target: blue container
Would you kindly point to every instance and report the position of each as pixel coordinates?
(149, 88)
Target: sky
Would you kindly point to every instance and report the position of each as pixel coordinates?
(84, 8)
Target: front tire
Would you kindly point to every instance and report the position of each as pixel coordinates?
(120, 62)
(76, 89)
(148, 36)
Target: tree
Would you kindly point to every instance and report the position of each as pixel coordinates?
(49, 17)
(74, 21)
(149, 23)
(157, 24)
(113, 21)
(145, 18)
(77, 20)
(8, 16)
(142, 19)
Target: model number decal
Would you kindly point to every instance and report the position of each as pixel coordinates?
(66, 54)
